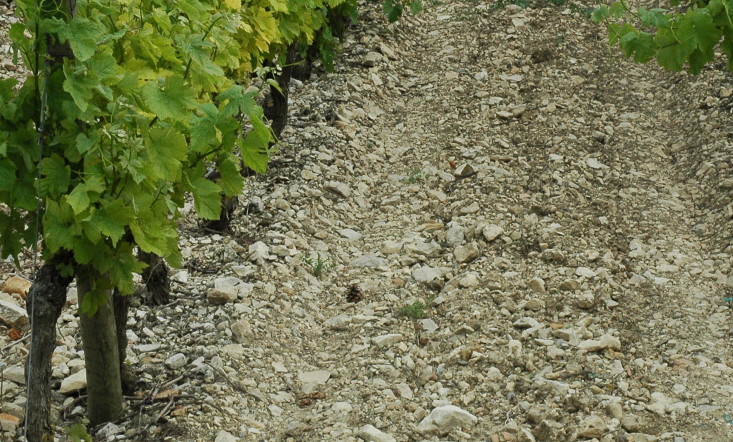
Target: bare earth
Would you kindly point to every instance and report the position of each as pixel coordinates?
(534, 230)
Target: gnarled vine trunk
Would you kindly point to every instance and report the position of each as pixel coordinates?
(45, 300)
(101, 355)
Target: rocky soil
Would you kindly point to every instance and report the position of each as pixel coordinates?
(486, 225)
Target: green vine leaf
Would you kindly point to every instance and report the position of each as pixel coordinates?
(57, 175)
(169, 99)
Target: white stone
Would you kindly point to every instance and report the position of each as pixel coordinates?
(12, 315)
(605, 341)
(387, 340)
(15, 374)
(585, 272)
(390, 247)
(494, 374)
(368, 261)
(445, 418)
(314, 377)
(426, 274)
(469, 280)
(537, 284)
(430, 249)
(178, 360)
(455, 235)
(492, 231)
(340, 189)
(350, 234)
(73, 383)
(258, 251)
(372, 434)
(428, 325)
(466, 253)
(225, 436)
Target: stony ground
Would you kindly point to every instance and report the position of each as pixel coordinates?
(485, 225)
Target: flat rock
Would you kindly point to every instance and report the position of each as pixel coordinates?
(178, 360)
(225, 436)
(350, 234)
(444, 419)
(592, 427)
(426, 274)
(12, 314)
(466, 253)
(537, 284)
(258, 251)
(372, 434)
(429, 249)
(221, 296)
(387, 340)
(492, 231)
(338, 188)
(314, 377)
(74, 383)
(15, 374)
(604, 342)
(368, 261)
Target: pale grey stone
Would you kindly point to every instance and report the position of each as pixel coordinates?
(73, 383)
(455, 235)
(387, 340)
(258, 251)
(430, 249)
(592, 427)
(314, 377)
(178, 360)
(492, 231)
(445, 418)
(15, 374)
(391, 247)
(12, 315)
(350, 234)
(371, 59)
(372, 434)
(426, 274)
(428, 325)
(338, 188)
(466, 253)
(369, 261)
(604, 342)
(537, 284)
(225, 436)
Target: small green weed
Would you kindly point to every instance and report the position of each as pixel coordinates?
(78, 432)
(415, 176)
(319, 265)
(416, 310)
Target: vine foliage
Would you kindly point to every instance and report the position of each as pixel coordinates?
(684, 37)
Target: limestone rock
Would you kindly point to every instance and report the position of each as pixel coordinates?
(12, 315)
(604, 342)
(445, 418)
(372, 434)
(466, 253)
(368, 261)
(74, 383)
(492, 231)
(225, 436)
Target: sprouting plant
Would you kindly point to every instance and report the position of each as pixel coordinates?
(414, 177)
(78, 432)
(416, 310)
(318, 265)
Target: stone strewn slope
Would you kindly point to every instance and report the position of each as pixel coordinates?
(535, 243)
